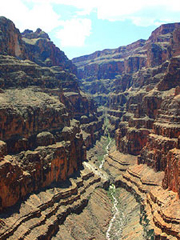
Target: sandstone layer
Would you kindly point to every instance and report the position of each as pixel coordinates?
(42, 115)
(159, 211)
(138, 85)
(56, 212)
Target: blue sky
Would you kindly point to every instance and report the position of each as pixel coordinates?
(80, 27)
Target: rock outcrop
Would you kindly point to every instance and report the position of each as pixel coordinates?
(159, 214)
(114, 70)
(41, 50)
(46, 214)
(35, 46)
(10, 39)
(41, 115)
(142, 104)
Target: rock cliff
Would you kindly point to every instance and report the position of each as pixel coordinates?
(41, 50)
(139, 86)
(41, 115)
(113, 70)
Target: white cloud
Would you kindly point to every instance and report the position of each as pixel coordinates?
(125, 9)
(74, 32)
(42, 16)
(140, 12)
(42, 11)
(117, 9)
(14, 10)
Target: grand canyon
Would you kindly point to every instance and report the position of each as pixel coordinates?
(89, 147)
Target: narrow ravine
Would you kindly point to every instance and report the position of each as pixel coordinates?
(125, 219)
(107, 150)
(114, 230)
(115, 227)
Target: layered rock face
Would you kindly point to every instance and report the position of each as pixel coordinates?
(141, 94)
(10, 38)
(159, 211)
(35, 46)
(111, 70)
(41, 50)
(41, 113)
(34, 122)
(142, 104)
(47, 123)
(54, 212)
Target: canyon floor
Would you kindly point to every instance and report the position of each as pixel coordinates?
(95, 219)
(80, 208)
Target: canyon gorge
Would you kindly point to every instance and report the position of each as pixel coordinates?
(89, 148)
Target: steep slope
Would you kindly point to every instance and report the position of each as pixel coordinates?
(138, 85)
(41, 112)
(112, 70)
(41, 50)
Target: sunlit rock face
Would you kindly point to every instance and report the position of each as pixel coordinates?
(41, 110)
(139, 86)
(40, 49)
(10, 39)
(134, 65)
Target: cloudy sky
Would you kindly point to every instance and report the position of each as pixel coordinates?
(80, 27)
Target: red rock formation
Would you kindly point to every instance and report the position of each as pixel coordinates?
(171, 79)
(41, 214)
(142, 61)
(159, 215)
(142, 102)
(165, 133)
(10, 40)
(172, 172)
(38, 107)
(161, 33)
(41, 50)
(35, 46)
(131, 58)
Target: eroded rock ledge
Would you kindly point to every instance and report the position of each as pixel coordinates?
(40, 215)
(160, 208)
(42, 112)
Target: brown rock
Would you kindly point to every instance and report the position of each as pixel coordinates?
(171, 79)
(29, 171)
(10, 38)
(38, 105)
(41, 50)
(45, 139)
(172, 177)
(3, 148)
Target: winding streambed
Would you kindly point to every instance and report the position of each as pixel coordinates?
(107, 150)
(115, 227)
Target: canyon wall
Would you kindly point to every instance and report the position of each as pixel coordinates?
(46, 122)
(139, 88)
(141, 97)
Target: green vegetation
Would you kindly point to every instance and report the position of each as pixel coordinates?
(102, 145)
